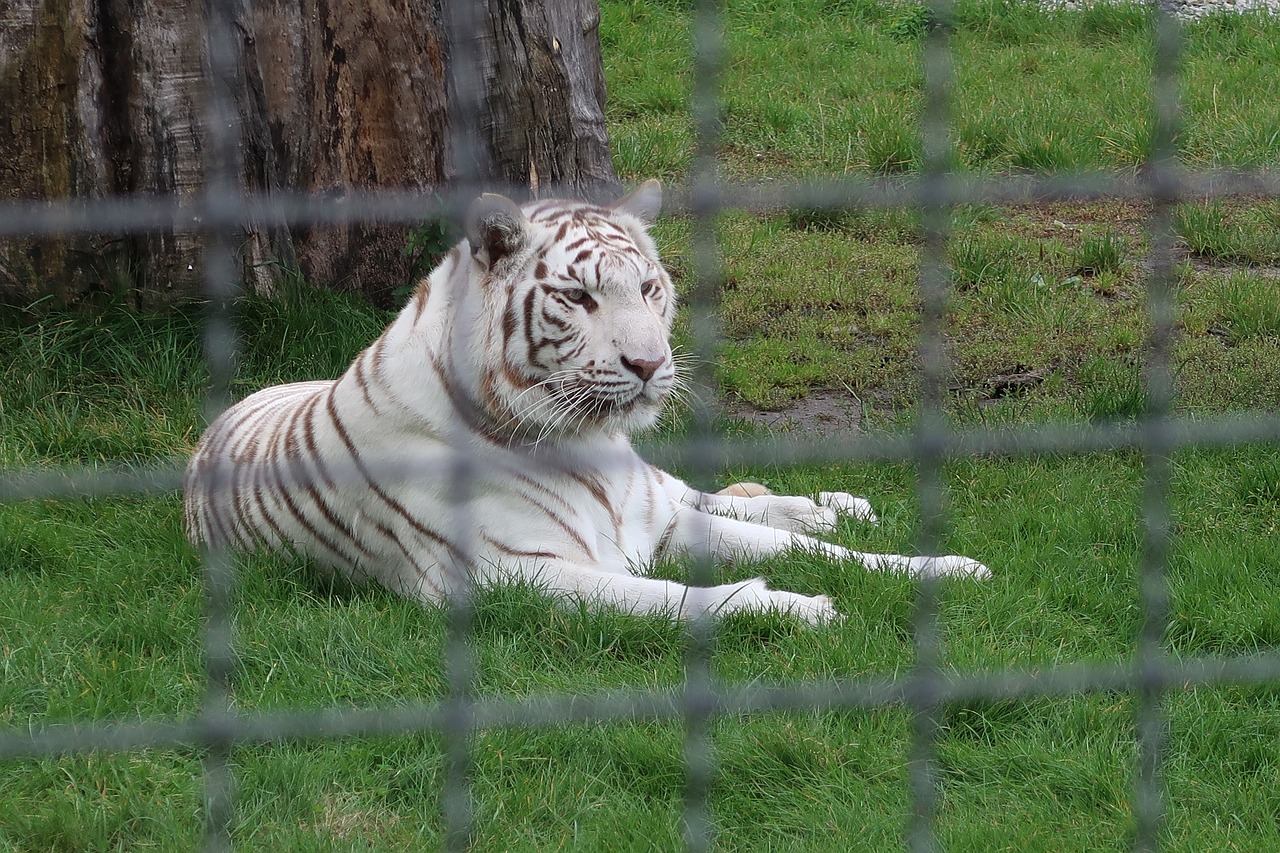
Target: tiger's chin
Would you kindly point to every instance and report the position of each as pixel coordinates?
(605, 415)
(634, 414)
(637, 417)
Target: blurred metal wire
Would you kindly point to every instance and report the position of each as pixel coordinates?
(925, 689)
(700, 686)
(462, 20)
(222, 188)
(931, 429)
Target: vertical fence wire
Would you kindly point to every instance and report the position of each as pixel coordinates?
(934, 282)
(462, 18)
(217, 727)
(1157, 448)
(222, 177)
(699, 687)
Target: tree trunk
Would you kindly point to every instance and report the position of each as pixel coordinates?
(543, 109)
(101, 98)
(92, 105)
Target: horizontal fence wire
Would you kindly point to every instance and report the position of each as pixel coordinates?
(865, 693)
(38, 483)
(222, 208)
(121, 215)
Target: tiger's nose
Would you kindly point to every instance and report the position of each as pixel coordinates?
(643, 367)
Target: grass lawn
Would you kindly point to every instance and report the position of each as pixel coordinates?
(101, 600)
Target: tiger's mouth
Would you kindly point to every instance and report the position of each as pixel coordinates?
(599, 404)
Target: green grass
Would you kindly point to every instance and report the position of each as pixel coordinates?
(101, 600)
(102, 610)
(816, 87)
(1101, 253)
(102, 614)
(1246, 235)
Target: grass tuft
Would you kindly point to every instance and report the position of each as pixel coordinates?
(1249, 307)
(1111, 23)
(1113, 390)
(983, 258)
(1259, 486)
(1100, 253)
(909, 22)
(1216, 232)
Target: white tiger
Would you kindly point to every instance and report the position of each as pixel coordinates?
(521, 364)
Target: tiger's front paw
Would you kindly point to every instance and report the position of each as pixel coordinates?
(847, 504)
(814, 609)
(755, 596)
(804, 515)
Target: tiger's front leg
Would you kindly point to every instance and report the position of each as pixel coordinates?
(616, 586)
(709, 535)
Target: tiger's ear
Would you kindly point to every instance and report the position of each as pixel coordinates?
(495, 228)
(644, 202)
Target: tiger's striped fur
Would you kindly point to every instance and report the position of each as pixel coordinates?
(484, 435)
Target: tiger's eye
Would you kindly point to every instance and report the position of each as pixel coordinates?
(580, 297)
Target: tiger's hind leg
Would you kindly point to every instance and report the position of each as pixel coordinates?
(754, 503)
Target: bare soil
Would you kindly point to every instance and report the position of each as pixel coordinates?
(824, 412)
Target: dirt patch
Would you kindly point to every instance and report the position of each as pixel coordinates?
(822, 413)
(1067, 219)
(341, 817)
(1213, 267)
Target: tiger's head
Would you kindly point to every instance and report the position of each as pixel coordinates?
(576, 312)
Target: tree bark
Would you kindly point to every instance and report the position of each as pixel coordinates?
(95, 102)
(104, 98)
(542, 116)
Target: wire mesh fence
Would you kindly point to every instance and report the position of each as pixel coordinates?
(928, 687)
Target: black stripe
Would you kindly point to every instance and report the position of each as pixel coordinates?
(528, 305)
(269, 515)
(509, 318)
(308, 434)
(226, 428)
(221, 473)
(295, 469)
(555, 342)
(665, 539)
(601, 497)
(551, 513)
(267, 480)
(553, 320)
(538, 487)
(423, 574)
(508, 551)
(395, 505)
(481, 422)
(362, 381)
(565, 526)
